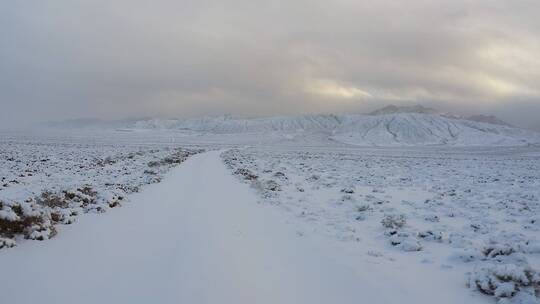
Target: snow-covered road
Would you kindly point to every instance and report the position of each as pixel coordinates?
(197, 237)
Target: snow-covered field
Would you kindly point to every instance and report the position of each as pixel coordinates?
(446, 224)
(473, 212)
(45, 182)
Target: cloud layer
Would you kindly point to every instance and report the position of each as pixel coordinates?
(113, 59)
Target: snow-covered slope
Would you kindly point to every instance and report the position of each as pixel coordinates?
(227, 124)
(426, 129)
(488, 119)
(366, 130)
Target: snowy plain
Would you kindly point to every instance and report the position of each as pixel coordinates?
(277, 217)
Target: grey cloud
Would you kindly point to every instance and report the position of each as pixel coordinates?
(113, 59)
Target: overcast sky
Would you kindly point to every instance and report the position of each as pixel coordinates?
(113, 59)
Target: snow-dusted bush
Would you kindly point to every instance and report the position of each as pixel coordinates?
(348, 190)
(506, 281)
(363, 207)
(405, 241)
(178, 157)
(280, 175)
(394, 224)
(246, 174)
(497, 250)
(26, 219)
(394, 221)
(6, 243)
(431, 235)
(410, 244)
(362, 210)
(432, 218)
(270, 185)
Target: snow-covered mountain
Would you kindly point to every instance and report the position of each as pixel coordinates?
(392, 109)
(395, 129)
(488, 119)
(228, 124)
(389, 126)
(428, 129)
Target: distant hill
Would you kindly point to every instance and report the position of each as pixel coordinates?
(392, 109)
(397, 129)
(389, 126)
(91, 123)
(411, 129)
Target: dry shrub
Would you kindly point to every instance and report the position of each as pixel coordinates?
(6, 243)
(505, 280)
(53, 200)
(393, 221)
(36, 225)
(246, 174)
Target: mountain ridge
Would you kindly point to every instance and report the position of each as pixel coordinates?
(389, 126)
(399, 129)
